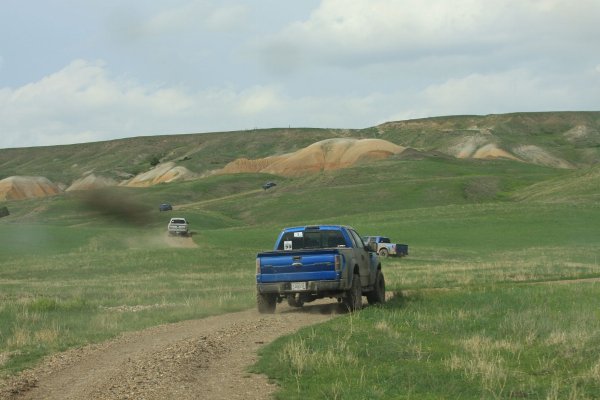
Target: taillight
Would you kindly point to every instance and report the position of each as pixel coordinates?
(338, 262)
(257, 265)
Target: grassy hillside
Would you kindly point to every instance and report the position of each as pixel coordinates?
(572, 136)
(383, 186)
(580, 187)
(238, 200)
(125, 157)
(569, 133)
(496, 299)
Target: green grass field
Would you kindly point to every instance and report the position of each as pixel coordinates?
(497, 298)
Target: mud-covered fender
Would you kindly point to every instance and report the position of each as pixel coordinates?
(374, 265)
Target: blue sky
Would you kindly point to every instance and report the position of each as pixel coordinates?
(73, 71)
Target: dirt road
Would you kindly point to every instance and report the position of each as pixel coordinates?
(200, 359)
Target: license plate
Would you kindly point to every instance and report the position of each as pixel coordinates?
(298, 285)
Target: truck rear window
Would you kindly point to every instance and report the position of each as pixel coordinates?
(311, 240)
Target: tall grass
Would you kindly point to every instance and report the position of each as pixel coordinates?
(476, 314)
(93, 290)
(496, 300)
(506, 342)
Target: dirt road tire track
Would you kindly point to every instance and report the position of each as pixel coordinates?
(199, 359)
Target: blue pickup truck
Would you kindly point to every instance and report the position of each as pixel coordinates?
(313, 262)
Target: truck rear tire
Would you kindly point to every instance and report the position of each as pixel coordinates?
(353, 299)
(266, 303)
(377, 295)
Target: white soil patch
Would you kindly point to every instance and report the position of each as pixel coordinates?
(467, 146)
(90, 182)
(162, 173)
(580, 132)
(491, 151)
(4, 357)
(479, 147)
(537, 155)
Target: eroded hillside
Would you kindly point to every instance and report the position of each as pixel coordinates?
(563, 140)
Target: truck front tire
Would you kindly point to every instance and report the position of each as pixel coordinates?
(377, 295)
(383, 252)
(266, 303)
(353, 299)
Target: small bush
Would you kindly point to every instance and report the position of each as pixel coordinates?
(154, 160)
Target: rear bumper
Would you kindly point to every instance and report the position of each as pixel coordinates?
(178, 231)
(312, 287)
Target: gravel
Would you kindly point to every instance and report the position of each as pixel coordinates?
(206, 358)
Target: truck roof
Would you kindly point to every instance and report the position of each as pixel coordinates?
(316, 227)
(314, 237)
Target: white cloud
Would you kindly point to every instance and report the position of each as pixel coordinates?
(511, 90)
(260, 99)
(84, 102)
(359, 32)
(226, 18)
(508, 91)
(182, 23)
(81, 102)
(383, 24)
(196, 14)
(190, 65)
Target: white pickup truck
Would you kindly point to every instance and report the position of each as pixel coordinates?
(178, 226)
(385, 247)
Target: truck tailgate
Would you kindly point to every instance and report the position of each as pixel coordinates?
(289, 266)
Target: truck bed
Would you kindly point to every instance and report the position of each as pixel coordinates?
(298, 265)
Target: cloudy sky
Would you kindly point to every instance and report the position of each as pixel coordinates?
(80, 71)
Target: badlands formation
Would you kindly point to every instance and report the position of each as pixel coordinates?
(326, 155)
(480, 147)
(25, 187)
(321, 156)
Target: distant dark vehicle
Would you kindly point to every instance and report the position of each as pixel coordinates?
(269, 185)
(165, 207)
(4, 212)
